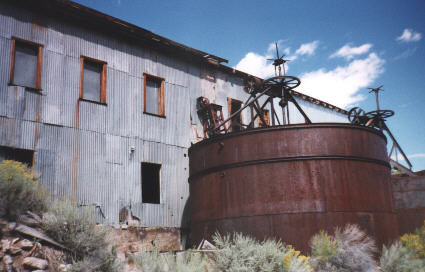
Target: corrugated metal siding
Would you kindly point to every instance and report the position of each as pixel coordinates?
(83, 149)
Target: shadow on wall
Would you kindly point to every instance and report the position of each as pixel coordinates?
(185, 225)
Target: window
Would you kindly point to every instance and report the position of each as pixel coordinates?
(154, 95)
(25, 65)
(151, 183)
(236, 122)
(93, 80)
(21, 155)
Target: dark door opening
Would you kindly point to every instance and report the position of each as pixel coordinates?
(151, 183)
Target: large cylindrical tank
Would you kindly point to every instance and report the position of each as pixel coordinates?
(289, 182)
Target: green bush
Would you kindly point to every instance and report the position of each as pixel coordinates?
(187, 262)
(349, 250)
(74, 228)
(397, 258)
(20, 191)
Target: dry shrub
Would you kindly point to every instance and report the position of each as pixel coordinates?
(77, 230)
(20, 191)
(349, 250)
(238, 253)
(74, 228)
(154, 261)
(397, 258)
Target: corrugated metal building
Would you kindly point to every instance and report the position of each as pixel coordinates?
(92, 148)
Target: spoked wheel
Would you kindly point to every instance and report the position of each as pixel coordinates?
(381, 114)
(355, 114)
(276, 84)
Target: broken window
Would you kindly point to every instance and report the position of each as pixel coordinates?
(21, 155)
(154, 95)
(26, 64)
(151, 173)
(236, 122)
(93, 80)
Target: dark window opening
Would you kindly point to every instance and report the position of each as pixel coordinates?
(26, 64)
(154, 95)
(151, 183)
(21, 155)
(93, 80)
(236, 123)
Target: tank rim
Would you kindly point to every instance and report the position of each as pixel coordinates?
(294, 126)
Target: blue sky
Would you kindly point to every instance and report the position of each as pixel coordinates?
(338, 48)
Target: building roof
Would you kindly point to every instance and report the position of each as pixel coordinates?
(90, 18)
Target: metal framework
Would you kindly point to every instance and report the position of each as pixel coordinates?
(277, 87)
(377, 120)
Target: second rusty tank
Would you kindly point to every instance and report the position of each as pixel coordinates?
(289, 182)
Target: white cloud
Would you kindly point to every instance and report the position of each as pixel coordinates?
(412, 156)
(349, 52)
(259, 65)
(409, 35)
(340, 86)
(307, 48)
(256, 65)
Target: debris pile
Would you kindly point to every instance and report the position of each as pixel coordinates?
(28, 251)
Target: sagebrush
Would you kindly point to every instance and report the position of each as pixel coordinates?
(20, 191)
(74, 228)
(101, 260)
(154, 261)
(398, 258)
(348, 250)
(237, 253)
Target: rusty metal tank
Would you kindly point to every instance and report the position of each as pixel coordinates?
(289, 182)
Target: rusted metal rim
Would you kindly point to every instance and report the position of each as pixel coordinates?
(287, 127)
(286, 159)
(294, 212)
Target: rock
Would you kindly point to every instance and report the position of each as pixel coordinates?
(133, 248)
(1, 254)
(14, 250)
(34, 216)
(35, 263)
(5, 244)
(7, 260)
(15, 240)
(29, 221)
(39, 270)
(25, 244)
(64, 267)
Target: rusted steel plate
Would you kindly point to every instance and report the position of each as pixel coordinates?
(290, 182)
(292, 142)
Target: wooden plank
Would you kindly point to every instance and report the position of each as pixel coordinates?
(161, 100)
(39, 68)
(103, 84)
(81, 75)
(12, 61)
(35, 233)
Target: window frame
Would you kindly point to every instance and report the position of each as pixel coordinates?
(103, 76)
(39, 64)
(161, 95)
